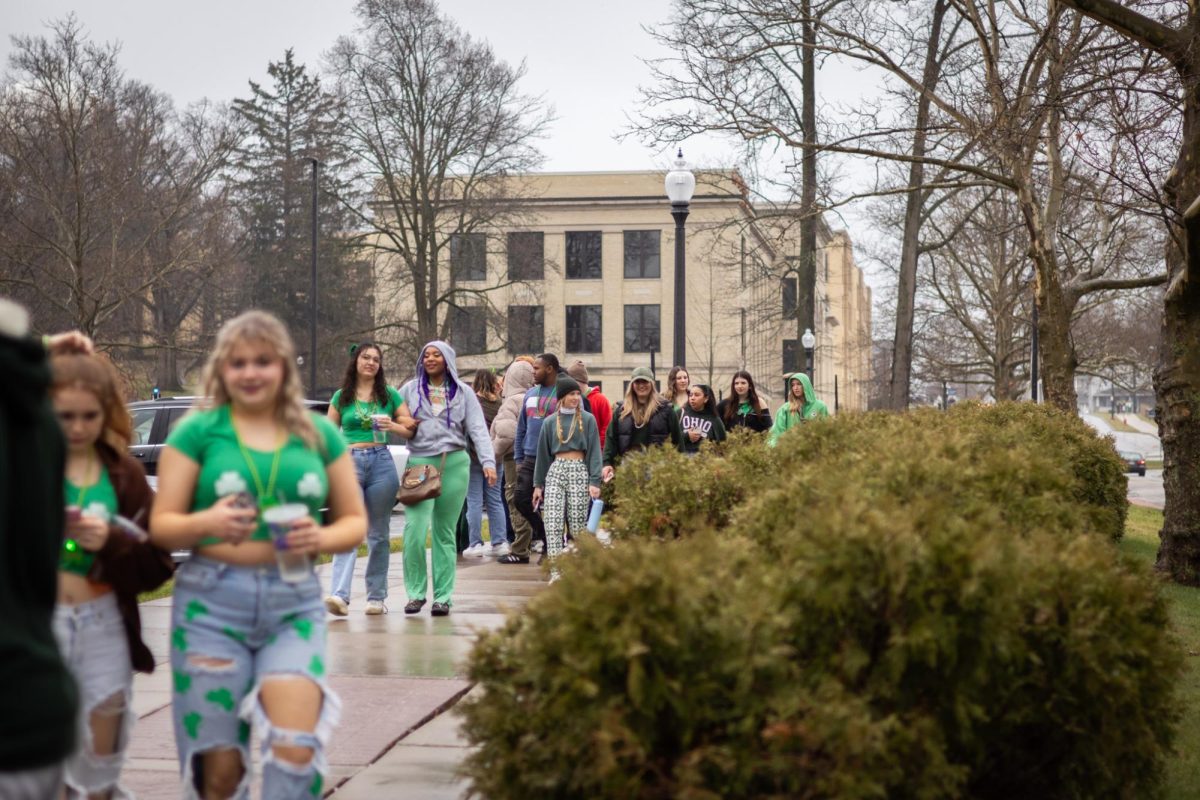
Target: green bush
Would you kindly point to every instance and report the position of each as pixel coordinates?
(898, 606)
(653, 670)
(1042, 661)
(663, 493)
(1099, 474)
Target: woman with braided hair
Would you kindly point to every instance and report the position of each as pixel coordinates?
(567, 471)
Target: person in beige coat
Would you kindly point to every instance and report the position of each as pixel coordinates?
(517, 380)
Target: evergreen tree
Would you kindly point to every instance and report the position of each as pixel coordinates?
(290, 122)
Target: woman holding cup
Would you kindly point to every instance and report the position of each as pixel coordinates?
(105, 562)
(366, 410)
(247, 639)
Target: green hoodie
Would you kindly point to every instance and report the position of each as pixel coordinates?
(785, 418)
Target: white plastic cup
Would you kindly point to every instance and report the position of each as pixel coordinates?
(293, 567)
(377, 431)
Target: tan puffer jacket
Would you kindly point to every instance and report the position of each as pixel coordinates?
(517, 381)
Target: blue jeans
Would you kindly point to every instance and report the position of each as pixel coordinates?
(479, 493)
(232, 628)
(379, 481)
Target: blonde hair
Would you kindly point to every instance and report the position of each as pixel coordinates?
(95, 374)
(794, 405)
(631, 407)
(266, 329)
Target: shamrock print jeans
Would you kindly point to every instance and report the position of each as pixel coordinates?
(233, 627)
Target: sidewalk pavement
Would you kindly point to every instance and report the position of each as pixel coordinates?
(397, 676)
(1139, 424)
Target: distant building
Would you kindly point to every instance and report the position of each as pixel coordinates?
(589, 274)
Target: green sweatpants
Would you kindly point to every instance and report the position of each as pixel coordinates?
(442, 513)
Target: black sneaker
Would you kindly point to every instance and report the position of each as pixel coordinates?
(512, 558)
(440, 609)
(414, 606)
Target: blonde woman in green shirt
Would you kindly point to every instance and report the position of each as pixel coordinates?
(567, 470)
(367, 410)
(247, 646)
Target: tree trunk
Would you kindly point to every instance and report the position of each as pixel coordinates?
(1177, 378)
(902, 344)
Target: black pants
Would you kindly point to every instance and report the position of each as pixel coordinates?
(524, 499)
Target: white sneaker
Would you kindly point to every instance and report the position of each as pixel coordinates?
(375, 608)
(472, 551)
(501, 550)
(336, 606)
(538, 546)
(485, 550)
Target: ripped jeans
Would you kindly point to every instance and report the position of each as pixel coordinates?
(233, 627)
(91, 638)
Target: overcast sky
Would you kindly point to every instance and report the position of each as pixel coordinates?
(585, 58)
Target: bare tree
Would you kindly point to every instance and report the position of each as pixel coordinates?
(96, 170)
(440, 133)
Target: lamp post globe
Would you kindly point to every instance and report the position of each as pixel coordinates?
(680, 184)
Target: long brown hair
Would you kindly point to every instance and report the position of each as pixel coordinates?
(731, 405)
(641, 414)
(672, 393)
(485, 384)
(95, 374)
(261, 328)
(350, 379)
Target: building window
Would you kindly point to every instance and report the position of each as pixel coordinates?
(583, 255)
(791, 356)
(584, 333)
(526, 256)
(468, 329)
(641, 328)
(526, 329)
(789, 288)
(642, 254)
(468, 257)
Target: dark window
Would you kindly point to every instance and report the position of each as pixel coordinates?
(584, 329)
(526, 256)
(468, 256)
(583, 255)
(468, 330)
(791, 356)
(790, 290)
(526, 329)
(641, 329)
(641, 254)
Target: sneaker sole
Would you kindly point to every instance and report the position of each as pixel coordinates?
(335, 609)
(375, 612)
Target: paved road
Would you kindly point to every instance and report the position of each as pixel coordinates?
(397, 677)
(1145, 443)
(1147, 491)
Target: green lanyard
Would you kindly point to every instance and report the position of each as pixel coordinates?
(364, 417)
(266, 495)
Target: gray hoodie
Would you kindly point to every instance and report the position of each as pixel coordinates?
(517, 381)
(462, 418)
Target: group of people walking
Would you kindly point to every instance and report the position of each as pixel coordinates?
(256, 486)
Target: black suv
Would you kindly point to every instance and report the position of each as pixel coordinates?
(154, 419)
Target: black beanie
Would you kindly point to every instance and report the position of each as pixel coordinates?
(565, 385)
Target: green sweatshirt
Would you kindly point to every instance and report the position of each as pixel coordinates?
(584, 438)
(37, 727)
(785, 418)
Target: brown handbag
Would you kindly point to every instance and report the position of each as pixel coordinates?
(421, 483)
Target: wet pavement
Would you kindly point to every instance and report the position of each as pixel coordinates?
(397, 675)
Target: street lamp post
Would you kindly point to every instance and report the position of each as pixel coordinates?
(809, 342)
(312, 291)
(680, 184)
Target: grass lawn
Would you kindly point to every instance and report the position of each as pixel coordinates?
(1118, 424)
(1141, 542)
(166, 589)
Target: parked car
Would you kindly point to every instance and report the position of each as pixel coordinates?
(153, 420)
(1134, 462)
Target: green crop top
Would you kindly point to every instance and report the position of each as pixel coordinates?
(97, 500)
(356, 417)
